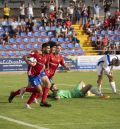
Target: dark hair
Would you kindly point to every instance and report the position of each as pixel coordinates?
(45, 45)
(52, 44)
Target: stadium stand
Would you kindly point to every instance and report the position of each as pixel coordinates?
(86, 36)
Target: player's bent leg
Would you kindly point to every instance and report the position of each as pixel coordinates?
(99, 82)
(85, 89)
(112, 83)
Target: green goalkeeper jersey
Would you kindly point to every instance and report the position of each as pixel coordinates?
(74, 93)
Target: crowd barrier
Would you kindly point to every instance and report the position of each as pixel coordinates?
(74, 62)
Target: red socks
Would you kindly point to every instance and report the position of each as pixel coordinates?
(31, 99)
(45, 94)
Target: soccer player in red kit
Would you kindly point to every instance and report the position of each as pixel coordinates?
(54, 60)
(35, 74)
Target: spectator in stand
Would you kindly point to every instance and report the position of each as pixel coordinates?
(105, 41)
(30, 11)
(113, 23)
(6, 38)
(70, 11)
(89, 12)
(64, 30)
(58, 31)
(118, 23)
(6, 12)
(29, 25)
(52, 5)
(117, 13)
(14, 25)
(22, 11)
(60, 15)
(43, 9)
(68, 23)
(107, 22)
(78, 15)
(96, 11)
(107, 5)
(84, 14)
(2, 41)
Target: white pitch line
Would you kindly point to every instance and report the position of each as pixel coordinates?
(21, 122)
(87, 123)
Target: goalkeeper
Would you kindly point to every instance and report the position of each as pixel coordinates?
(79, 91)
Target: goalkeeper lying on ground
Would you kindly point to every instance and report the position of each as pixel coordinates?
(79, 91)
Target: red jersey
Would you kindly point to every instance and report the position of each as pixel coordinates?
(54, 61)
(42, 60)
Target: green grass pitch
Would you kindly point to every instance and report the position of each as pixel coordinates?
(78, 113)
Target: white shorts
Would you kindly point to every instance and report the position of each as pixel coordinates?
(106, 71)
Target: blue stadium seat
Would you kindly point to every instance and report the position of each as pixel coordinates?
(40, 40)
(94, 38)
(60, 39)
(4, 54)
(117, 32)
(43, 34)
(118, 38)
(1, 47)
(79, 52)
(17, 53)
(30, 34)
(67, 40)
(15, 47)
(98, 33)
(50, 34)
(26, 40)
(111, 32)
(47, 28)
(103, 32)
(11, 54)
(22, 47)
(63, 46)
(66, 52)
(36, 46)
(71, 46)
(70, 33)
(32, 40)
(37, 34)
(29, 46)
(35, 28)
(8, 47)
(73, 52)
(46, 39)
(53, 28)
(54, 39)
(114, 38)
(39, 23)
(23, 34)
(25, 52)
(12, 41)
(41, 28)
(77, 45)
(18, 40)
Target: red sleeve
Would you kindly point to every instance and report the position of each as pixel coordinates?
(62, 62)
(33, 54)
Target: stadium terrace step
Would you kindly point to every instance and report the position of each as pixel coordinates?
(85, 42)
(89, 54)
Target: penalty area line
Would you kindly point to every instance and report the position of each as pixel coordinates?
(21, 122)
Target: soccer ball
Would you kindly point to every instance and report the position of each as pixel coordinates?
(32, 60)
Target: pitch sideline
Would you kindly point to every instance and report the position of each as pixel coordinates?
(21, 122)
